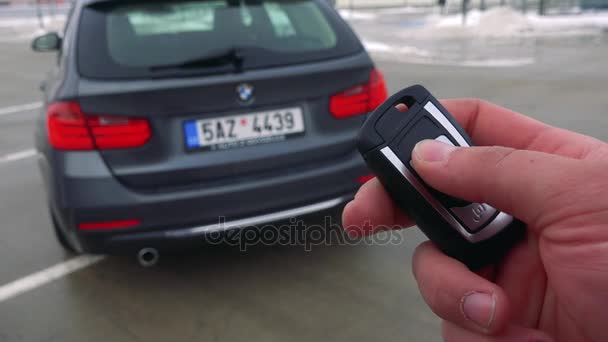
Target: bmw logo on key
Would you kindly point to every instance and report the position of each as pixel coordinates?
(245, 92)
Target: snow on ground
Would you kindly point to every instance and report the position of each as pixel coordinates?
(496, 22)
(495, 63)
(506, 22)
(416, 55)
(30, 21)
(492, 26)
(412, 54)
(403, 10)
(401, 49)
(19, 29)
(376, 13)
(357, 15)
(585, 20)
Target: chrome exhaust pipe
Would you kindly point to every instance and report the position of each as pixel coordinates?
(148, 257)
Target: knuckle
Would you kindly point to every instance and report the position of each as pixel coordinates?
(438, 297)
(435, 297)
(480, 104)
(494, 158)
(479, 170)
(477, 160)
(504, 156)
(430, 283)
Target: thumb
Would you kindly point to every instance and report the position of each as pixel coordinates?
(519, 182)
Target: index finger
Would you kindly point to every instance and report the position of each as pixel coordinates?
(372, 210)
(489, 124)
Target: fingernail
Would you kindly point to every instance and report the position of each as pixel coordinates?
(479, 308)
(432, 151)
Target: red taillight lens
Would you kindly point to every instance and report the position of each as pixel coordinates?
(118, 132)
(67, 128)
(360, 99)
(70, 129)
(109, 225)
(378, 93)
(350, 102)
(365, 179)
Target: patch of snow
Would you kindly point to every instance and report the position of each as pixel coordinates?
(502, 21)
(497, 63)
(496, 22)
(19, 29)
(357, 15)
(412, 54)
(506, 22)
(583, 20)
(403, 10)
(456, 20)
(30, 21)
(472, 63)
(412, 50)
(379, 47)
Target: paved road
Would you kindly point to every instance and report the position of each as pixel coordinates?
(334, 293)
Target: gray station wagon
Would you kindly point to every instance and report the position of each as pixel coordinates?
(165, 121)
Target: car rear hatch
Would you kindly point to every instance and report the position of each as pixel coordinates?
(310, 71)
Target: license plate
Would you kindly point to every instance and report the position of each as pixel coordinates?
(244, 130)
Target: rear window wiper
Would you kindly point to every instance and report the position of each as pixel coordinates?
(224, 57)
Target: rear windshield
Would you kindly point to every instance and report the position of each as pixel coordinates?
(133, 39)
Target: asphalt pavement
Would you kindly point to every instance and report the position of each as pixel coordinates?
(277, 293)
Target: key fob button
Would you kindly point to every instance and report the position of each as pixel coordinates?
(476, 234)
(445, 139)
(474, 216)
(449, 201)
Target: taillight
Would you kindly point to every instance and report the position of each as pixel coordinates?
(365, 179)
(109, 225)
(70, 129)
(360, 99)
(67, 128)
(118, 132)
(378, 93)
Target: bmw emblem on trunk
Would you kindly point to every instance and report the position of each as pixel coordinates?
(245, 92)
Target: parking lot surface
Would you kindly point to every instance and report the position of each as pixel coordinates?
(268, 293)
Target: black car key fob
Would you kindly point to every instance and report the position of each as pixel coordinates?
(474, 233)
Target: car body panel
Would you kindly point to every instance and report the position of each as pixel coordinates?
(169, 188)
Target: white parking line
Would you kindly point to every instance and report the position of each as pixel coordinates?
(18, 155)
(46, 276)
(19, 108)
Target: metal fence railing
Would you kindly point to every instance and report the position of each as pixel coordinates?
(542, 7)
(360, 4)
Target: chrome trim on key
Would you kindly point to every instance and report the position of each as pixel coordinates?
(475, 215)
(445, 140)
(436, 113)
(501, 221)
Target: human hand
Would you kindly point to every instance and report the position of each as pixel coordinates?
(553, 285)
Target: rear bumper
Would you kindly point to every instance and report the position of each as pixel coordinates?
(175, 239)
(81, 189)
